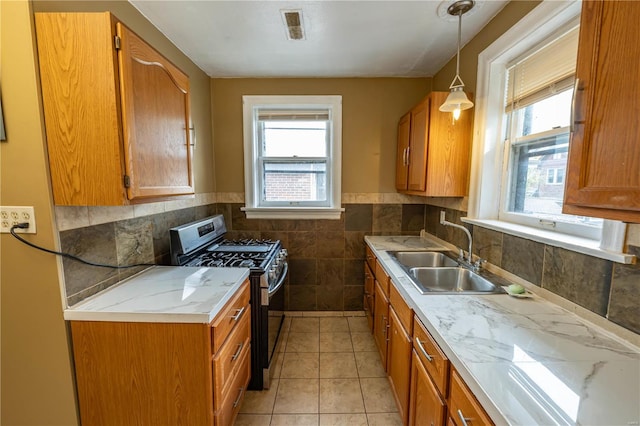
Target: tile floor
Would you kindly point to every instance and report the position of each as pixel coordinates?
(328, 372)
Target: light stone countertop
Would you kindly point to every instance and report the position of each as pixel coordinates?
(528, 361)
(175, 294)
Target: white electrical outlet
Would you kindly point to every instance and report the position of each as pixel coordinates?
(12, 215)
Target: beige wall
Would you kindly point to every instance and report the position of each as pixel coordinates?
(37, 384)
(508, 16)
(36, 372)
(371, 108)
(199, 81)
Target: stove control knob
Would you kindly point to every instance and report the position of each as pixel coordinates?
(284, 252)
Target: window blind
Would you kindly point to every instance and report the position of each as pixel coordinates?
(547, 71)
(292, 115)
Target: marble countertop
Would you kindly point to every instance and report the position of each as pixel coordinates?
(528, 361)
(163, 294)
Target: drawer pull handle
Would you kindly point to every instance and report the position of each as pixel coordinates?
(422, 349)
(238, 314)
(463, 419)
(237, 354)
(237, 401)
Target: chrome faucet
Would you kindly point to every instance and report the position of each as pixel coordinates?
(469, 260)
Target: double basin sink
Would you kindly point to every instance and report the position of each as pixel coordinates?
(436, 273)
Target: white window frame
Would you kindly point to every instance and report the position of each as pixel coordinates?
(254, 208)
(489, 158)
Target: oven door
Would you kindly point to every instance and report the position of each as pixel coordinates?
(276, 313)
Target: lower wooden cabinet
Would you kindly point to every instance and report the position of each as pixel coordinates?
(381, 323)
(427, 408)
(369, 295)
(140, 373)
(399, 364)
(464, 408)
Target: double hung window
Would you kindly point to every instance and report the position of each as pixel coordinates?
(538, 97)
(292, 156)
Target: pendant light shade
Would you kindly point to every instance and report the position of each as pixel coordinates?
(457, 100)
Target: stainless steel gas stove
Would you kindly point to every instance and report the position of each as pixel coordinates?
(201, 243)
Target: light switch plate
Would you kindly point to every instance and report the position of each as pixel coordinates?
(11, 215)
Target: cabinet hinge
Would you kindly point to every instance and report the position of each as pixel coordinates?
(116, 41)
(127, 181)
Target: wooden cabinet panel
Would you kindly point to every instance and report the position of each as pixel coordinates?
(383, 279)
(402, 160)
(381, 323)
(603, 169)
(402, 310)
(117, 121)
(371, 258)
(155, 96)
(438, 150)
(228, 359)
(231, 315)
(427, 408)
(399, 364)
(142, 373)
(462, 404)
(434, 360)
(418, 146)
(369, 291)
(226, 414)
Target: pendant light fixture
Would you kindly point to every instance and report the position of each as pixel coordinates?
(457, 99)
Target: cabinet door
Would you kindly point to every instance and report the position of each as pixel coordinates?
(381, 323)
(399, 364)
(603, 169)
(426, 407)
(369, 285)
(418, 146)
(448, 161)
(463, 406)
(402, 160)
(155, 107)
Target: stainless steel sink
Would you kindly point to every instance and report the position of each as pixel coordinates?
(448, 280)
(431, 259)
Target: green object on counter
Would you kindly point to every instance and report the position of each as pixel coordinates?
(515, 289)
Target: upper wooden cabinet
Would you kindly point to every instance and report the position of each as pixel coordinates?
(603, 169)
(116, 113)
(433, 150)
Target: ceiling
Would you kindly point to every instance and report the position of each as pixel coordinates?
(343, 38)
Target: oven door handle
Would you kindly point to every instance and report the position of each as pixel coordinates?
(280, 281)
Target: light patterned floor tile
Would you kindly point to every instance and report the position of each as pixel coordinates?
(300, 365)
(359, 419)
(335, 342)
(253, 420)
(340, 396)
(334, 325)
(384, 419)
(358, 324)
(336, 365)
(305, 325)
(297, 396)
(294, 420)
(377, 395)
(303, 342)
(363, 342)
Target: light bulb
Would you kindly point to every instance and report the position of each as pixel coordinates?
(456, 113)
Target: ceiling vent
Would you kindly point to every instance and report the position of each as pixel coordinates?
(293, 21)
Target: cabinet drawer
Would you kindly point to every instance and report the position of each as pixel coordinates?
(371, 258)
(227, 360)
(232, 400)
(462, 404)
(382, 278)
(435, 361)
(403, 311)
(237, 307)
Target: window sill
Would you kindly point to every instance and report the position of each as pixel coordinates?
(292, 213)
(568, 242)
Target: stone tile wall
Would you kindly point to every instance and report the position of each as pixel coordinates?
(609, 289)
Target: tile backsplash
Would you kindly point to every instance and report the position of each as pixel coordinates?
(326, 256)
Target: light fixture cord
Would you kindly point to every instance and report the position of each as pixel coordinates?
(459, 38)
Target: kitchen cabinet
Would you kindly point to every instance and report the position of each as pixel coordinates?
(116, 113)
(426, 406)
(603, 168)
(433, 150)
(464, 408)
(381, 323)
(133, 373)
(369, 294)
(399, 364)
